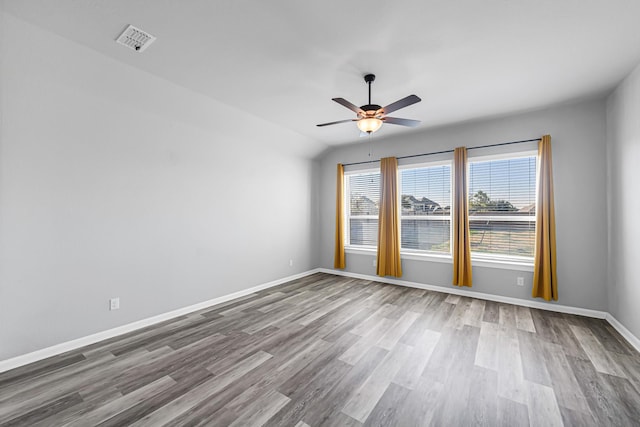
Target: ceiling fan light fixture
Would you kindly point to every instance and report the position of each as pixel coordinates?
(369, 124)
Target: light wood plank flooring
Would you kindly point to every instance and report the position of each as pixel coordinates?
(331, 351)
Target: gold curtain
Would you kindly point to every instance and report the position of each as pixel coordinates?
(338, 258)
(460, 220)
(388, 262)
(545, 280)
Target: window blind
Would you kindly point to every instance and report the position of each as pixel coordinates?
(363, 206)
(426, 208)
(502, 206)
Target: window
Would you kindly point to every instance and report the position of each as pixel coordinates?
(502, 191)
(425, 223)
(362, 205)
(502, 195)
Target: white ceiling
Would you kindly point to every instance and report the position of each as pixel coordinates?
(284, 60)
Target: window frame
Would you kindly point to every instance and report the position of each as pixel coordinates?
(347, 211)
(488, 259)
(425, 253)
(479, 259)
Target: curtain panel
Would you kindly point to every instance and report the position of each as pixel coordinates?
(460, 220)
(339, 258)
(545, 279)
(388, 262)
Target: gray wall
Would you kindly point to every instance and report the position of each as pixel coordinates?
(578, 134)
(623, 138)
(117, 183)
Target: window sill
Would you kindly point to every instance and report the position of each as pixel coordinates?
(516, 265)
(502, 264)
(403, 255)
(432, 257)
(360, 250)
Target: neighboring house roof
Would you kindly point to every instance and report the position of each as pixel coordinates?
(528, 209)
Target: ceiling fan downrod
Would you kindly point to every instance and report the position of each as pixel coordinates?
(369, 78)
(370, 108)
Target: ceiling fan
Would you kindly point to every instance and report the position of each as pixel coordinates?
(371, 116)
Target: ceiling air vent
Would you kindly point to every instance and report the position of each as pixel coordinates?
(136, 39)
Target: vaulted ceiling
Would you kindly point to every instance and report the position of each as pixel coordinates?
(284, 60)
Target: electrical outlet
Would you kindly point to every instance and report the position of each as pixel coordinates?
(290, 263)
(114, 303)
(520, 281)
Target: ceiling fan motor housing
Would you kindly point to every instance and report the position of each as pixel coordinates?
(372, 109)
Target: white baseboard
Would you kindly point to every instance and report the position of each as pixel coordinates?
(64, 347)
(44, 353)
(633, 340)
(473, 294)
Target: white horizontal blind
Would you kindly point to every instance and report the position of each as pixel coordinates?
(363, 204)
(426, 208)
(502, 206)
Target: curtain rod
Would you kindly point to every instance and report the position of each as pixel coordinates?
(446, 151)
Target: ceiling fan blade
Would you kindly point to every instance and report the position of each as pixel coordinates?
(401, 122)
(339, 121)
(404, 102)
(349, 105)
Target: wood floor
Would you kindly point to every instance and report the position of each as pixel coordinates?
(330, 351)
